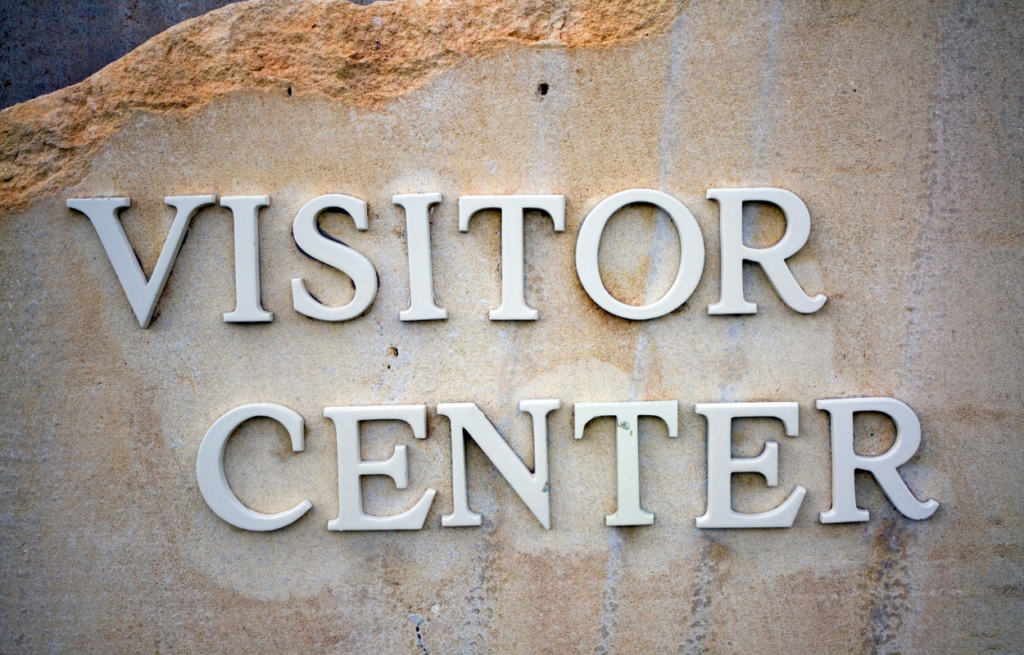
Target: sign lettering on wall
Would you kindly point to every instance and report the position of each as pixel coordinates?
(467, 419)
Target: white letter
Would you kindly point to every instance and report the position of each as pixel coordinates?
(351, 468)
(210, 468)
(627, 450)
(513, 302)
(533, 489)
(883, 467)
(245, 212)
(421, 278)
(691, 254)
(142, 294)
(772, 260)
(721, 466)
(333, 253)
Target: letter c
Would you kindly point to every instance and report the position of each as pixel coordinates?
(210, 468)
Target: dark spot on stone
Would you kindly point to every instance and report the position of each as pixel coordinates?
(542, 89)
(289, 92)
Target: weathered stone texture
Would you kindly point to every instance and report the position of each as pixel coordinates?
(361, 56)
(45, 46)
(899, 124)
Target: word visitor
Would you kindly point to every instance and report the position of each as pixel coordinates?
(143, 294)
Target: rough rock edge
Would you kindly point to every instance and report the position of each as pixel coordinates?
(362, 56)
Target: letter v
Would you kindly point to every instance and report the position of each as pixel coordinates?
(142, 294)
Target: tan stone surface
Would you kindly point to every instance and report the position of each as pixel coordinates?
(899, 124)
(363, 56)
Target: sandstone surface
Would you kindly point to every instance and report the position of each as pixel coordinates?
(898, 124)
(50, 45)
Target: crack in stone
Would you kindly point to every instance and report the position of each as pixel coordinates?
(419, 620)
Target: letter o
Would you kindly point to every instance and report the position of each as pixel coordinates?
(691, 254)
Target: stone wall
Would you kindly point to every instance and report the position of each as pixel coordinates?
(899, 126)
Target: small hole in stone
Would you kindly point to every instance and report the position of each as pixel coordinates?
(289, 92)
(393, 351)
(542, 89)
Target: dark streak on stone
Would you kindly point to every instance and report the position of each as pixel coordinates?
(888, 587)
(419, 621)
(706, 580)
